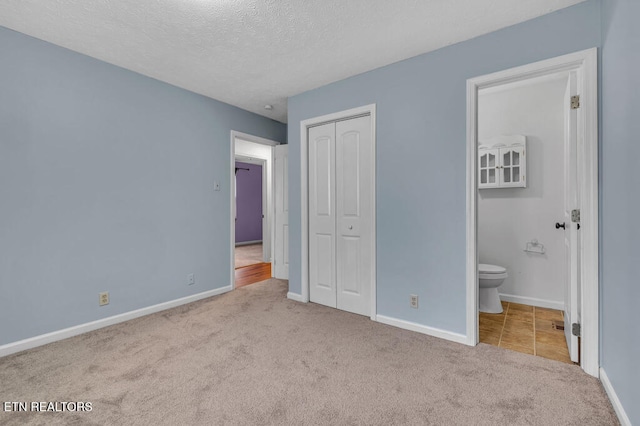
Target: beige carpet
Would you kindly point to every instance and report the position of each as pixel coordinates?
(253, 357)
(248, 255)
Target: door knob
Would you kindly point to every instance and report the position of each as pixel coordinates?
(560, 225)
(350, 226)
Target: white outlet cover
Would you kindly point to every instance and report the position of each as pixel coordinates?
(413, 301)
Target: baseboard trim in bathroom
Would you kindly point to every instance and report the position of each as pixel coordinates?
(532, 301)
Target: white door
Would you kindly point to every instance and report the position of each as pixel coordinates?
(572, 279)
(281, 257)
(322, 215)
(354, 213)
(340, 215)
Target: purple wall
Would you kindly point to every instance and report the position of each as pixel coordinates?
(248, 203)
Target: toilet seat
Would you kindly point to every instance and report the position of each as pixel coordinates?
(491, 272)
(485, 268)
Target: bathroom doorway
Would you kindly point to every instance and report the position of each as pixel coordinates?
(521, 193)
(532, 160)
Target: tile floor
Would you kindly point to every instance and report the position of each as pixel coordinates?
(526, 329)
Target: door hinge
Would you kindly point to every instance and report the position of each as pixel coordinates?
(575, 102)
(576, 329)
(575, 215)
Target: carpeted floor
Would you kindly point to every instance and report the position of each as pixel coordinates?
(248, 255)
(253, 357)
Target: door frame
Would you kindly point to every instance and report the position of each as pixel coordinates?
(269, 212)
(281, 212)
(304, 188)
(585, 63)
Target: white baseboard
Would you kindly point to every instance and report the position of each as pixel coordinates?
(248, 243)
(295, 296)
(431, 331)
(613, 397)
(54, 336)
(532, 301)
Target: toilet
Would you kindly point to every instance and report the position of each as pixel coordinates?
(490, 277)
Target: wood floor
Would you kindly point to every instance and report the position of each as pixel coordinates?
(526, 329)
(252, 274)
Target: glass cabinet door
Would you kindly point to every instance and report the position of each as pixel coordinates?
(487, 168)
(512, 167)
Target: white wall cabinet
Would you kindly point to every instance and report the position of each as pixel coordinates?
(501, 165)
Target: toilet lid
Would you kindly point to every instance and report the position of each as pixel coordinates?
(491, 269)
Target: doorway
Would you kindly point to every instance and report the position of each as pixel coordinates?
(580, 304)
(252, 240)
(251, 200)
(522, 194)
(338, 218)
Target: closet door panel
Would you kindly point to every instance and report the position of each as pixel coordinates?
(354, 214)
(322, 215)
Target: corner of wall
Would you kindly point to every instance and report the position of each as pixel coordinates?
(613, 397)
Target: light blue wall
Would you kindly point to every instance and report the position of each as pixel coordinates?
(421, 157)
(106, 184)
(620, 201)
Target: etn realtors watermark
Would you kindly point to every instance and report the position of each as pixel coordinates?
(47, 406)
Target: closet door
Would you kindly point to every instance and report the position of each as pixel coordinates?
(322, 215)
(354, 214)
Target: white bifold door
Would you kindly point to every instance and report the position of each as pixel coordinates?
(341, 261)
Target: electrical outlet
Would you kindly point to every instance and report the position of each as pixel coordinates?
(413, 301)
(103, 298)
(191, 279)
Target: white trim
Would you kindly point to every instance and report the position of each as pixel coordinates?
(251, 160)
(532, 301)
(472, 217)
(55, 336)
(304, 198)
(248, 243)
(251, 138)
(304, 211)
(295, 296)
(589, 261)
(585, 63)
(419, 328)
(615, 401)
(269, 212)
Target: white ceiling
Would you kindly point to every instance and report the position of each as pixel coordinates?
(250, 53)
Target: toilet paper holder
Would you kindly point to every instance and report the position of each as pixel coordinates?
(534, 246)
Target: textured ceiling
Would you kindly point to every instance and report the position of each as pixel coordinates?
(250, 53)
